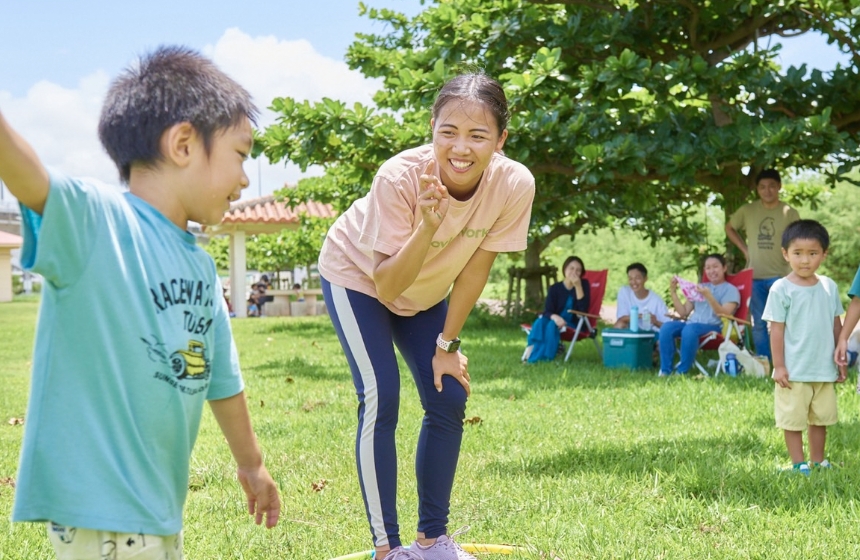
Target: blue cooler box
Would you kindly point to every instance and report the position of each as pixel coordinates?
(625, 348)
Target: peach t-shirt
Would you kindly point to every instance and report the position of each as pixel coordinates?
(495, 218)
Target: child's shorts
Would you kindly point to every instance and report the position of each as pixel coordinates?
(805, 404)
(71, 543)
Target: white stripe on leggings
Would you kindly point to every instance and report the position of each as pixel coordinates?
(366, 461)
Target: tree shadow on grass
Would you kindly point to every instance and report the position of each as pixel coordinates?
(695, 468)
(298, 368)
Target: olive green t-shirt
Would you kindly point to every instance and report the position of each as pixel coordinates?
(764, 227)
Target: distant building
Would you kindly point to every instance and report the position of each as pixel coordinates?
(10, 214)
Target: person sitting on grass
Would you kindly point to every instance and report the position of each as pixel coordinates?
(712, 298)
(571, 294)
(803, 311)
(117, 391)
(636, 294)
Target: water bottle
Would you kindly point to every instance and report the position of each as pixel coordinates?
(731, 365)
(634, 319)
(646, 321)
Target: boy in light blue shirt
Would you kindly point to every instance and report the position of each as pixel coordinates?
(803, 311)
(133, 333)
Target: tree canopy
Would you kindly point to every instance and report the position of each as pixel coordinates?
(628, 113)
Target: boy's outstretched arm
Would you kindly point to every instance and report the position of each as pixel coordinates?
(777, 351)
(262, 492)
(21, 169)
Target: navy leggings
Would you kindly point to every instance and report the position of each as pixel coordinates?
(368, 332)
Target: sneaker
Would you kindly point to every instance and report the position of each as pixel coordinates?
(443, 549)
(400, 553)
(825, 464)
(799, 468)
(664, 374)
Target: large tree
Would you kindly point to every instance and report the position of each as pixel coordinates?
(628, 113)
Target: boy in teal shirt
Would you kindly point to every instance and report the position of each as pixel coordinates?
(133, 333)
(803, 311)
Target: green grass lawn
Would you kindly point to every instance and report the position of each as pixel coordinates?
(570, 460)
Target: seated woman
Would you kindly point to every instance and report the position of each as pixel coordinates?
(569, 294)
(718, 296)
(636, 294)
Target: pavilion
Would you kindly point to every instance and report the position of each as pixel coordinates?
(251, 217)
(8, 241)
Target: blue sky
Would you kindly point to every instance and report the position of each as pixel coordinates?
(57, 58)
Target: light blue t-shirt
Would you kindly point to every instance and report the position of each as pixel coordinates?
(723, 293)
(133, 336)
(808, 313)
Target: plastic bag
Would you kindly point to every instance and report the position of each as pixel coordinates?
(751, 365)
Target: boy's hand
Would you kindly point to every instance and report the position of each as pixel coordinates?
(843, 373)
(780, 375)
(840, 355)
(262, 493)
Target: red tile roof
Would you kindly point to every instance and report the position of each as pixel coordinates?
(266, 214)
(10, 240)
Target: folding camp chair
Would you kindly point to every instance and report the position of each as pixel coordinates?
(585, 323)
(736, 323)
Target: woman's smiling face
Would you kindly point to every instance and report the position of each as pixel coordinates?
(465, 137)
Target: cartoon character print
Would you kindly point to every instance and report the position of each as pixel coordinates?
(767, 229)
(191, 363)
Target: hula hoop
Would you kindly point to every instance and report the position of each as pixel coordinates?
(468, 547)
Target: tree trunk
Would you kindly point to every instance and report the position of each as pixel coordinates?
(735, 195)
(533, 283)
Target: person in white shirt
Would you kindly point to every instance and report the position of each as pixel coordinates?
(636, 294)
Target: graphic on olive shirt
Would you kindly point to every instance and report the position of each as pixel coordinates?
(766, 232)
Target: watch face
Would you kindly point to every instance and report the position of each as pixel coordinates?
(454, 345)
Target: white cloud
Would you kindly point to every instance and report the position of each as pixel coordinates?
(61, 124)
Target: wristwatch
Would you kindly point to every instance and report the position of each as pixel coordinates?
(449, 346)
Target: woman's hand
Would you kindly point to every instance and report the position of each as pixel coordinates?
(573, 276)
(558, 320)
(673, 285)
(704, 290)
(454, 364)
(433, 198)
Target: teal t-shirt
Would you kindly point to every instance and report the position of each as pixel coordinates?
(133, 336)
(808, 313)
(855, 285)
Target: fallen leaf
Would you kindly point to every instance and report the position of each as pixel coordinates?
(16, 421)
(289, 380)
(319, 485)
(262, 404)
(7, 482)
(473, 420)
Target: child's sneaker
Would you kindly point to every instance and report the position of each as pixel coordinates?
(400, 553)
(825, 464)
(799, 468)
(443, 549)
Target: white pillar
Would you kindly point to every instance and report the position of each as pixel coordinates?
(5, 275)
(237, 274)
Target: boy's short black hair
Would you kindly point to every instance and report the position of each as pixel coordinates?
(805, 229)
(768, 174)
(170, 85)
(638, 266)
